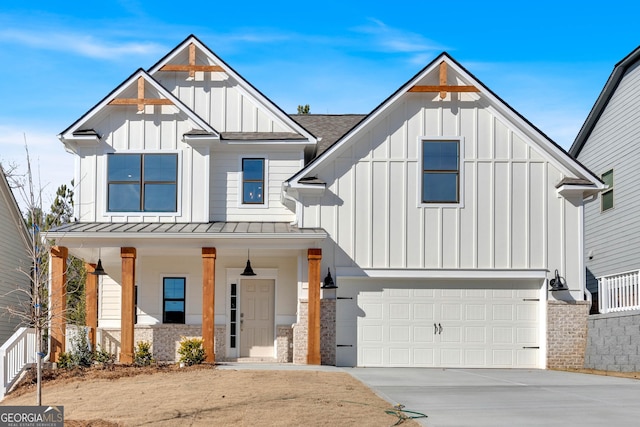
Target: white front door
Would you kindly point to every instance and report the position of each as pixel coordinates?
(257, 318)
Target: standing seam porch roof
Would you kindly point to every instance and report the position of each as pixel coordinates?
(220, 229)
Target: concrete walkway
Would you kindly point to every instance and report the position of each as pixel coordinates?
(496, 397)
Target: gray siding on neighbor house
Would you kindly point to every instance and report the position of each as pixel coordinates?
(14, 261)
(613, 237)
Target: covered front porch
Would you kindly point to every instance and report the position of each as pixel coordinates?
(164, 282)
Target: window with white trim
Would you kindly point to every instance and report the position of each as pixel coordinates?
(142, 182)
(440, 171)
(607, 195)
(253, 181)
(173, 299)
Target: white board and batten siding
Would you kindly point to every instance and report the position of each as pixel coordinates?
(222, 102)
(510, 217)
(510, 222)
(612, 237)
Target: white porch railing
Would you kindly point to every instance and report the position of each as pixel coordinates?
(619, 292)
(16, 354)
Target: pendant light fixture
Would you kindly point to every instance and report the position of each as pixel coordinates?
(99, 271)
(248, 271)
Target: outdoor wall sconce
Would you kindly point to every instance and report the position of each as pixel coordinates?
(328, 281)
(558, 283)
(248, 271)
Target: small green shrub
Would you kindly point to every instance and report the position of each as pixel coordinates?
(65, 361)
(103, 357)
(142, 355)
(191, 351)
(80, 354)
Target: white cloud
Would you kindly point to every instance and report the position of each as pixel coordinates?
(79, 44)
(395, 40)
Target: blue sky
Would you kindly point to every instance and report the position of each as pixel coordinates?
(546, 59)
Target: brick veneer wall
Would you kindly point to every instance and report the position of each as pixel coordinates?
(566, 333)
(284, 340)
(328, 332)
(613, 342)
(300, 331)
(165, 340)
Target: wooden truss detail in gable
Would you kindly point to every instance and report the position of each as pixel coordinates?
(140, 101)
(192, 67)
(443, 87)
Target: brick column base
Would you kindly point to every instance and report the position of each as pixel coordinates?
(566, 334)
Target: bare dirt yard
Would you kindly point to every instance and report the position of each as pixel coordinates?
(206, 396)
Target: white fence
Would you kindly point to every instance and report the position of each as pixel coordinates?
(16, 354)
(619, 292)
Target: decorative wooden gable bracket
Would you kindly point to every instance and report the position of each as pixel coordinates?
(192, 67)
(141, 101)
(443, 88)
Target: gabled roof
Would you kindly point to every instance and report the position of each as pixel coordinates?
(116, 97)
(14, 210)
(619, 70)
(469, 84)
(171, 62)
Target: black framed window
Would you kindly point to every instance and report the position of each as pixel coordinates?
(440, 171)
(253, 181)
(173, 299)
(607, 195)
(142, 182)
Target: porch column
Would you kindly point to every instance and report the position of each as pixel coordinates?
(313, 335)
(127, 314)
(208, 301)
(91, 303)
(58, 307)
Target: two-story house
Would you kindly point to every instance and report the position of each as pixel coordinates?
(451, 226)
(606, 144)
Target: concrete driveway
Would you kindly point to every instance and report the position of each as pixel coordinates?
(496, 397)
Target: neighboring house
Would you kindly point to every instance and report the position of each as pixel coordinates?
(15, 261)
(608, 145)
(440, 216)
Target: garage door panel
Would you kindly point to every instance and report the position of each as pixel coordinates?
(475, 334)
(475, 357)
(400, 334)
(371, 334)
(423, 357)
(423, 334)
(503, 335)
(503, 312)
(399, 311)
(451, 311)
(423, 311)
(476, 312)
(399, 357)
(480, 327)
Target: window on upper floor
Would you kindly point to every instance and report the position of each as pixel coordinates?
(173, 299)
(253, 181)
(440, 171)
(607, 195)
(142, 182)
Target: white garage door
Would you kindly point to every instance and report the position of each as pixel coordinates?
(417, 324)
